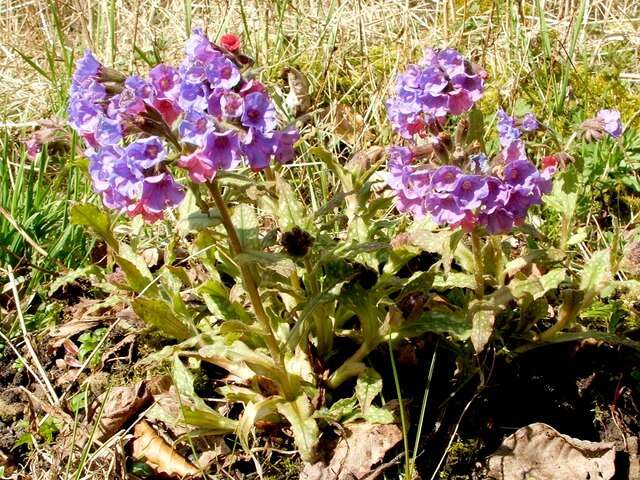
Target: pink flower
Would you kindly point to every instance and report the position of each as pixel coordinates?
(231, 42)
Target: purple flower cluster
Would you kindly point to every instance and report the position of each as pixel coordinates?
(443, 83)
(457, 198)
(206, 109)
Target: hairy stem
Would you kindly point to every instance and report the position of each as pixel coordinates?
(351, 368)
(247, 278)
(567, 313)
(476, 249)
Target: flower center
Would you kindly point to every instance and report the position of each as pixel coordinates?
(226, 72)
(254, 114)
(201, 125)
(466, 185)
(221, 142)
(152, 151)
(165, 83)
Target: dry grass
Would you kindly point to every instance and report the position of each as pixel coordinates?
(347, 47)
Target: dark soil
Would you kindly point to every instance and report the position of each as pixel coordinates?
(590, 392)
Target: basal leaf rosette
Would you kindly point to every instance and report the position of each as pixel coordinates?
(206, 115)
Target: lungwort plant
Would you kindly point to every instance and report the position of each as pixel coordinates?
(289, 300)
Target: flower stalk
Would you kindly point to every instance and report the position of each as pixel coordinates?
(248, 279)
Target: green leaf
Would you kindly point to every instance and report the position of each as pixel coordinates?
(368, 386)
(197, 221)
(341, 411)
(138, 275)
(552, 279)
(379, 415)
(72, 276)
(195, 411)
(253, 412)
(182, 378)
(158, 313)
(333, 164)
(299, 413)
(291, 213)
(455, 280)
(438, 322)
(203, 416)
(589, 334)
(246, 223)
(532, 310)
(303, 324)
(482, 329)
(216, 298)
(238, 394)
(97, 220)
(596, 271)
(277, 262)
(476, 126)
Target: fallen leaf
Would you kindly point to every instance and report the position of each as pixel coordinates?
(122, 403)
(6, 462)
(69, 329)
(218, 448)
(110, 354)
(365, 159)
(347, 124)
(151, 257)
(538, 451)
(356, 454)
(158, 454)
(298, 99)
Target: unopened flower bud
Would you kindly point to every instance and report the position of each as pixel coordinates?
(296, 242)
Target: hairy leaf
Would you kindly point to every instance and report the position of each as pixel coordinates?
(482, 329)
(368, 386)
(95, 218)
(246, 223)
(158, 313)
(438, 322)
(299, 413)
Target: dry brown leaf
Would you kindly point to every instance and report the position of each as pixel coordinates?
(69, 329)
(347, 124)
(357, 453)
(109, 355)
(538, 451)
(6, 462)
(158, 454)
(298, 99)
(151, 257)
(122, 403)
(218, 448)
(365, 159)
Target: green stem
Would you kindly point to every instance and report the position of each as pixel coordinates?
(351, 368)
(247, 279)
(322, 321)
(476, 249)
(568, 312)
